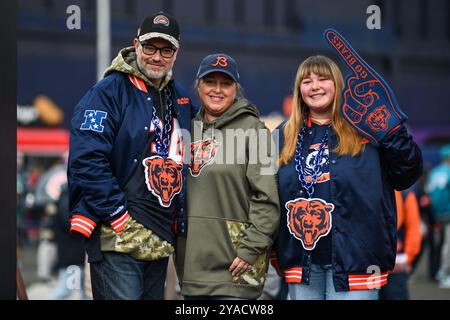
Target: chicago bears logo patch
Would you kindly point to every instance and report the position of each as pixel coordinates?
(183, 100)
(163, 178)
(203, 153)
(93, 120)
(378, 119)
(220, 61)
(308, 220)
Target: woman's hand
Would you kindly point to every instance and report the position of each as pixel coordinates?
(239, 266)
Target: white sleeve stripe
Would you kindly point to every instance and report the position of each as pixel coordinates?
(86, 223)
(366, 282)
(293, 272)
(368, 278)
(119, 220)
(82, 227)
(119, 225)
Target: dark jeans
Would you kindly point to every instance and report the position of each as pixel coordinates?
(120, 277)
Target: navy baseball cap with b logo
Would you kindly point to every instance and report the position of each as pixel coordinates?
(218, 62)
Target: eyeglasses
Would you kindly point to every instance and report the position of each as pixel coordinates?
(166, 52)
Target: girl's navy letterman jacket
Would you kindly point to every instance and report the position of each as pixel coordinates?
(364, 228)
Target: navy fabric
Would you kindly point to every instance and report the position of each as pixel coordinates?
(101, 163)
(322, 251)
(218, 62)
(364, 218)
(368, 103)
(397, 287)
(141, 201)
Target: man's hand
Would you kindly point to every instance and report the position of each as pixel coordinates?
(239, 266)
(368, 102)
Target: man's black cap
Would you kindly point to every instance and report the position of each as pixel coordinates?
(160, 25)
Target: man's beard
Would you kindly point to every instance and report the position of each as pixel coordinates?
(153, 75)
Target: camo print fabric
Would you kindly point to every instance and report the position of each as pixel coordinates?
(257, 274)
(136, 241)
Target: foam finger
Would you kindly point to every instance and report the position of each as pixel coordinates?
(347, 54)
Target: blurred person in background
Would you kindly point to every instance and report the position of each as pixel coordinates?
(232, 205)
(70, 254)
(126, 171)
(429, 228)
(409, 238)
(47, 193)
(21, 193)
(438, 189)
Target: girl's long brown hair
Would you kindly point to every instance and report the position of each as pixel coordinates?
(350, 142)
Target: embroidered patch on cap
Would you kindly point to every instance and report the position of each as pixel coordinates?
(220, 61)
(161, 20)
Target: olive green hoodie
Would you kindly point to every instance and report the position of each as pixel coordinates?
(232, 209)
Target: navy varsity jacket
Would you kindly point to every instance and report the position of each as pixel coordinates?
(109, 131)
(364, 227)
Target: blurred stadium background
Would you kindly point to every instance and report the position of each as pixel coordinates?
(268, 38)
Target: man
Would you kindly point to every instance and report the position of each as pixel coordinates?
(126, 167)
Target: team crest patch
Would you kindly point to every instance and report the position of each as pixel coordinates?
(163, 178)
(183, 100)
(93, 120)
(308, 220)
(220, 61)
(203, 153)
(160, 19)
(378, 119)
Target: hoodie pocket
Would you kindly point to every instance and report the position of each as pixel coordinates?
(257, 274)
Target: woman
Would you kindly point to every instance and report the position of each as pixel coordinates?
(337, 236)
(232, 202)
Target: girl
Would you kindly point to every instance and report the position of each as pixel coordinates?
(337, 236)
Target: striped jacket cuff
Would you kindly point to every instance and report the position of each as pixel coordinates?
(119, 223)
(293, 275)
(81, 224)
(367, 281)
